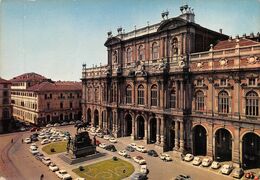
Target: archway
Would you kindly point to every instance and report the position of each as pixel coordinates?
(70, 117)
(223, 145)
(80, 115)
(251, 151)
(140, 127)
(61, 117)
(89, 115)
(128, 125)
(48, 119)
(152, 130)
(170, 138)
(199, 140)
(96, 122)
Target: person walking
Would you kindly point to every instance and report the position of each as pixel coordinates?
(22, 141)
(42, 176)
(12, 140)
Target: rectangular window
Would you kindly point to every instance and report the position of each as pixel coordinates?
(5, 93)
(140, 100)
(70, 104)
(154, 98)
(128, 96)
(223, 82)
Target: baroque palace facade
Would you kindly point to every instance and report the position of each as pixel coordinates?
(40, 101)
(5, 105)
(180, 86)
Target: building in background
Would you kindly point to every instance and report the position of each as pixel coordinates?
(180, 86)
(5, 105)
(40, 101)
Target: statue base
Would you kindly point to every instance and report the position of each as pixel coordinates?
(70, 159)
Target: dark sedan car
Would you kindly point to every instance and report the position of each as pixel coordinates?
(138, 176)
(130, 148)
(152, 153)
(110, 147)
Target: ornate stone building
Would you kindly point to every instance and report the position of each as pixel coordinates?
(180, 86)
(39, 100)
(5, 104)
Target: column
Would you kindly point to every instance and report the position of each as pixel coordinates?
(236, 143)
(176, 138)
(145, 129)
(162, 131)
(177, 94)
(133, 128)
(210, 141)
(181, 95)
(157, 130)
(181, 137)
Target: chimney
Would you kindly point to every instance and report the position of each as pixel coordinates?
(220, 31)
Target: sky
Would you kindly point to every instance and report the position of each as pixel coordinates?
(55, 37)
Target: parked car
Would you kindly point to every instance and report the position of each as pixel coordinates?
(62, 174)
(33, 146)
(64, 123)
(139, 159)
(27, 140)
(100, 135)
(122, 153)
(141, 149)
(48, 125)
(110, 147)
(130, 148)
(143, 169)
(206, 162)
(250, 175)
(46, 161)
(71, 122)
(238, 173)
(34, 139)
(133, 145)
(56, 124)
(39, 157)
(102, 145)
(34, 129)
(188, 157)
(165, 157)
(226, 169)
(53, 167)
(45, 141)
(34, 151)
(106, 137)
(138, 176)
(112, 140)
(152, 153)
(215, 165)
(22, 129)
(182, 177)
(196, 161)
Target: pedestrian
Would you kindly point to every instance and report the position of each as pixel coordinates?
(12, 140)
(22, 141)
(41, 178)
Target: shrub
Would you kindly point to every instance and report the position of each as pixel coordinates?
(115, 158)
(81, 168)
(52, 150)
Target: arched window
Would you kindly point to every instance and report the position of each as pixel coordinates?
(128, 94)
(155, 51)
(128, 55)
(140, 95)
(141, 53)
(174, 45)
(96, 95)
(154, 95)
(199, 101)
(173, 98)
(252, 106)
(223, 102)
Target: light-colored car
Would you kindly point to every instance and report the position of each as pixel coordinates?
(34, 151)
(206, 162)
(237, 173)
(139, 159)
(62, 174)
(196, 161)
(165, 157)
(56, 124)
(122, 153)
(45, 141)
(143, 169)
(141, 149)
(46, 161)
(112, 140)
(106, 137)
(133, 145)
(53, 167)
(226, 169)
(33, 147)
(42, 136)
(100, 135)
(102, 145)
(48, 125)
(188, 157)
(215, 165)
(28, 140)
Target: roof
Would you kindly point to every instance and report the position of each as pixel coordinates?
(56, 86)
(3, 81)
(231, 43)
(28, 77)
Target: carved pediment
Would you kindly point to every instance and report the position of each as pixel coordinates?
(172, 23)
(112, 40)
